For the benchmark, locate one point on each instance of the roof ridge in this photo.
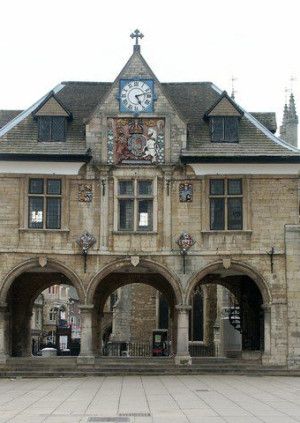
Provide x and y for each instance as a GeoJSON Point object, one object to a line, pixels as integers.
{"type": "Point", "coordinates": [86, 82]}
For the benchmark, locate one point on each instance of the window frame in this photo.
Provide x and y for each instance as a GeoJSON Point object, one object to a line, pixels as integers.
{"type": "Point", "coordinates": [224, 138]}
{"type": "Point", "coordinates": [44, 196]}
{"type": "Point", "coordinates": [51, 118]}
{"type": "Point", "coordinates": [136, 198]}
{"type": "Point", "coordinates": [225, 197]}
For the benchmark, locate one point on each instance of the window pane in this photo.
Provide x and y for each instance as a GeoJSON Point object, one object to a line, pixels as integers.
{"type": "Point", "coordinates": [54, 186]}
{"type": "Point", "coordinates": [145, 187]}
{"type": "Point", "coordinates": [234, 186]}
{"type": "Point", "coordinates": [44, 125]}
{"type": "Point", "coordinates": [231, 129]}
{"type": "Point", "coordinates": [217, 129]}
{"type": "Point", "coordinates": [58, 128]}
{"type": "Point", "coordinates": [217, 215]}
{"type": "Point", "coordinates": [53, 213]}
{"type": "Point", "coordinates": [235, 213]}
{"type": "Point", "coordinates": [217, 187]}
{"type": "Point", "coordinates": [126, 187]}
{"type": "Point", "coordinates": [36, 186]}
{"type": "Point", "coordinates": [145, 215]}
{"type": "Point", "coordinates": [35, 218]}
{"type": "Point", "coordinates": [126, 215]}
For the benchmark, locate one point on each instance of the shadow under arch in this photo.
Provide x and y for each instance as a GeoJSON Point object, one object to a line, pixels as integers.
{"type": "Point", "coordinates": [144, 265]}
{"type": "Point", "coordinates": [32, 264]}
{"type": "Point", "coordinates": [240, 267]}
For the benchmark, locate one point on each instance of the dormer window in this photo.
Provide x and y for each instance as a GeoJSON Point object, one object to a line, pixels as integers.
{"type": "Point", "coordinates": [51, 117]}
{"type": "Point", "coordinates": [51, 128]}
{"type": "Point", "coordinates": [224, 118]}
{"type": "Point", "coordinates": [224, 129]}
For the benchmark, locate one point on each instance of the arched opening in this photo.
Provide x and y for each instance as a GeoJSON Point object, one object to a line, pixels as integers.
{"type": "Point", "coordinates": [233, 315]}
{"type": "Point", "coordinates": [43, 311]}
{"type": "Point", "coordinates": [133, 313]}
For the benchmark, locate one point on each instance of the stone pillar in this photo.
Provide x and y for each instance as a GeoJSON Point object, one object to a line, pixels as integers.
{"type": "Point", "coordinates": [182, 353]}
{"type": "Point", "coordinates": [3, 340]}
{"type": "Point", "coordinates": [86, 342]}
{"type": "Point", "coordinates": [267, 333]}
{"type": "Point", "coordinates": [27, 335]}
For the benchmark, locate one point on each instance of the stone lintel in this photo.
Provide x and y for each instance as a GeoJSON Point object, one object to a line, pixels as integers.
{"type": "Point", "coordinates": [86, 307]}
{"type": "Point", "coordinates": [292, 228]}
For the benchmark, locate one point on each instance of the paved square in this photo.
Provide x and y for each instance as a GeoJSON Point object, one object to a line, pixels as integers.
{"type": "Point", "coordinates": [157, 399]}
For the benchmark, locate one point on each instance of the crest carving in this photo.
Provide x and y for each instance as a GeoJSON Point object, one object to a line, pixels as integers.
{"type": "Point", "coordinates": [135, 140]}
{"type": "Point", "coordinates": [85, 193]}
{"type": "Point", "coordinates": [135, 260]}
{"type": "Point", "coordinates": [185, 192]}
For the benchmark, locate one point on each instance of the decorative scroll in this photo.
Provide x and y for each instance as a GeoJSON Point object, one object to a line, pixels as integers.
{"type": "Point", "coordinates": [185, 192]}
{"type": "Point", "coordinates": [134, 140]}
{"type": "Point", "coordinates": [85, 193]}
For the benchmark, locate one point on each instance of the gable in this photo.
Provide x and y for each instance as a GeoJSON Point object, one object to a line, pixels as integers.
{"type": "Point", "coordinates": [52, 108]}
{"type": "Point", "coordinates": [224, 108]}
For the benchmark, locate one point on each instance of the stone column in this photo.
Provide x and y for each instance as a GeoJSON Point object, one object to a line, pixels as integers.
{"type": "Point", "coordinates": [86, 342]}
{"type": "Point", "coordinates": [182, 353]}
{"type": "Point", "coordinates": [3, 340]}
{"type": "Point", "coordinates": [267, 332]}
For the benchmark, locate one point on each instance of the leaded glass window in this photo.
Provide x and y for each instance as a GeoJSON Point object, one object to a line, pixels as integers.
{"type": "Point", "coordinates": [135, 199]}
{"type": "Point", "coordinates": [44, 203]}
{"type": "Point", "coordinates": [51, 128]}
{"type": "Point", "coordinates": [224, 129]}
{"type": "Point", "coordinates": [226, 204]}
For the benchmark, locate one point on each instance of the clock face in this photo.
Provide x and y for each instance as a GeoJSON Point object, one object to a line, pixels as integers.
{"type": "Point", "coordinates": [136, 96]}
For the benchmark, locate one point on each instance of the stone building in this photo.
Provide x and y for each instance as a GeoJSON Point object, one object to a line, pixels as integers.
{"type": "Point", "coordinates": [168, 185]}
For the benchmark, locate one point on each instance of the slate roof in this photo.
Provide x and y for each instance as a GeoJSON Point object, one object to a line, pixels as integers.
{"type": "Point", "coordinates": [192, 100]}
{"type": "Point", "coordinates": [7, 115]}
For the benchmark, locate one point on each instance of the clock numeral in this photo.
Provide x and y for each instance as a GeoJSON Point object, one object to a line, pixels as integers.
{"type": "Point", "coordinates": [148, 90]}
{"type": "Point", "coordinates": [125, 101]}
{"type": "Point", "coordinates": [136, 108]}
{"type": "Point", "coordinates": [136, 83]}
{"type": "Point", "coordinates": [123, 96]}
{"type": "Point", "coordinates": [130, 107]}
{"type": "Point", "coordinates": [147, 102]}
{"type": "Point", "coordinates": [130, 85]}
{"type": "Point", "coordinates": [149, 95]}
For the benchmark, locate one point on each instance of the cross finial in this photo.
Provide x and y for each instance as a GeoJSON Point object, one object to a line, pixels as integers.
{"type": "Point", "coordinates": [292, 80]}
{"type": "Point", "coordinates": [233, 91]}
{"type": "Point", "coordinates": [137, 34]}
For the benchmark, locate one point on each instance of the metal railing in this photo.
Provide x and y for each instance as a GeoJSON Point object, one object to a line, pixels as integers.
{"type": "Point", "coordinates": [201, 350]}
{"type": "Point", "coordinates": [131, 349]}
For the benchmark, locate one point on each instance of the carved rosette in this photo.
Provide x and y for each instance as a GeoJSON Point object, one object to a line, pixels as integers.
{"type": "Point", "coordinates": [185, 192]}
{"type": "Point", "coordinates": [185, 242]}
{"type": "Point", "coordinates": [85, 193]}
{"type": "Point", "coordinates": [85, 242]}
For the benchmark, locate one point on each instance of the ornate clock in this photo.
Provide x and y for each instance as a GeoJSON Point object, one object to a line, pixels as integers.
{"type": "Point", "coordinates": [136, 95]}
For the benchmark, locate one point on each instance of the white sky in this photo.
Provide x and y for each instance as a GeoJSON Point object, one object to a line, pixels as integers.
{"type": "Point", "coordinates": [45, 42]}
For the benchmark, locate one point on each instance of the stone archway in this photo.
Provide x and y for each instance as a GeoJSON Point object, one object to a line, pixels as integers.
{"type": "Point", "coordinates": [19, 289]}
{"type": "Point", "coordinates": [253, 305]}
{"type": "Point", "coordinates": [118, 274]}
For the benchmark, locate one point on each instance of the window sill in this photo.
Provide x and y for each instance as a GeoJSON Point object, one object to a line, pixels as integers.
{"type": "Point", "coordinates": [44, 230]}
{"type": "Point", "coordinates": [134, 233]}
{"type": "Point", "coordinates": [228, 231]}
